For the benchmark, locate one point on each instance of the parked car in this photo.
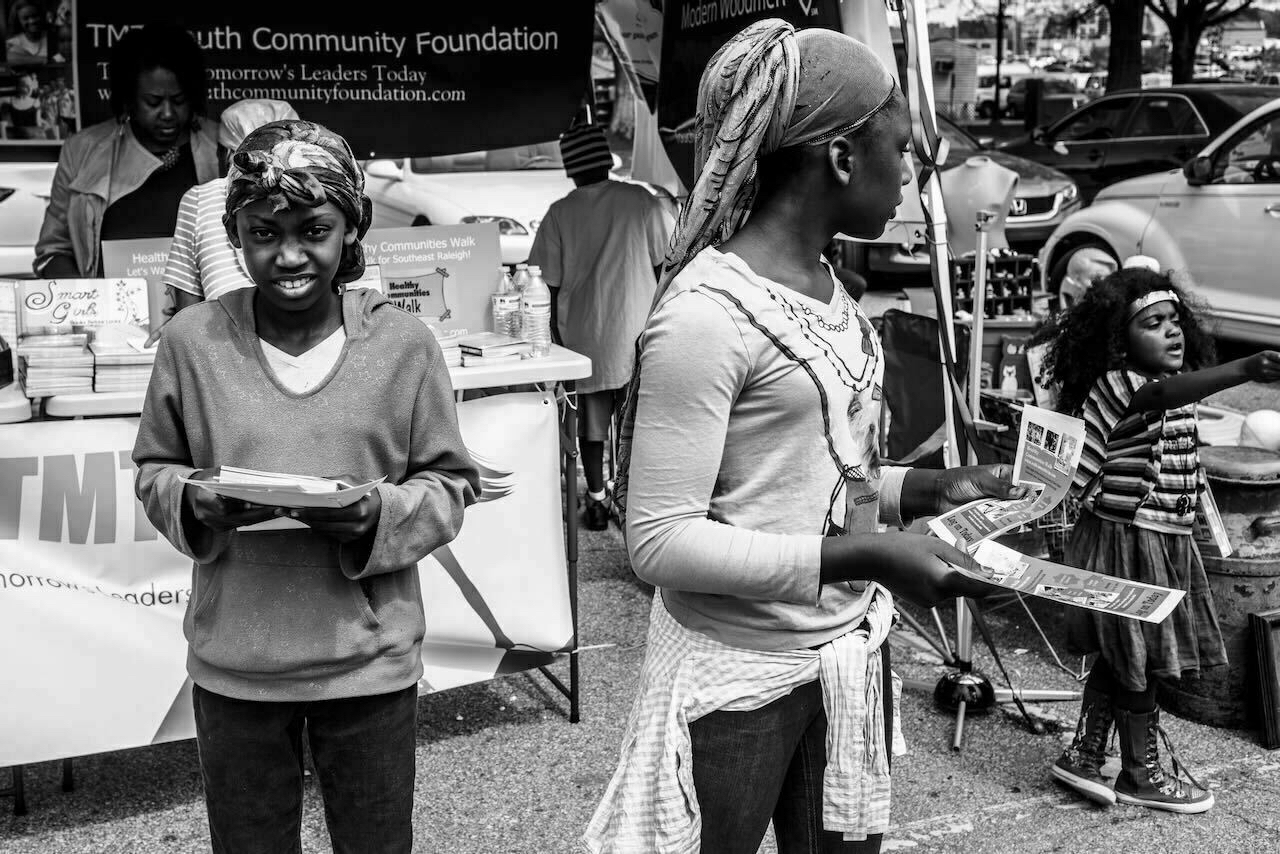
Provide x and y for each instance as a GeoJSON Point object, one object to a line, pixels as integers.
{"type": "Point", "coordinates": [1016, 105]}
{"type": "Point", "coordinates": [1138, 131]}
{"type": "Point", "coordinates": [1043, 199]}
{"type": "Point", "coordinates": [512, 187]}
{"type": "Point", "coordinates": [24, 195]}
{"type": "Point", "coordinates": [1214, 218]}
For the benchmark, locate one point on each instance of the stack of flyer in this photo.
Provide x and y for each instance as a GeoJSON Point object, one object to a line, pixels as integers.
{"type": "Point", "coordinates": [55, 363]}
{"type": "Point", "coordinates": [121, 360]}
{"type": "Point", "coordinates": [491, 348]}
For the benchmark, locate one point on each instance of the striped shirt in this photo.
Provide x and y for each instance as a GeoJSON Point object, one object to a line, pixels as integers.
{"type": "Point", "coordinates": [202, 260]}
{"type": "Point", "coordinates": [1141, 468]}
{"type": "Point", "coordinates": [650, 805]}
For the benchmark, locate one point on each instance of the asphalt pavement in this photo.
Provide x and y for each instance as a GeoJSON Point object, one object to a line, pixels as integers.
{"type": "Point", "coordinates": [501, 769]}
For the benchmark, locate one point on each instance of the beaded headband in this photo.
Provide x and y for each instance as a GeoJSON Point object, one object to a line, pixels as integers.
{"type": "Point", "coordinates": [1150, 299]}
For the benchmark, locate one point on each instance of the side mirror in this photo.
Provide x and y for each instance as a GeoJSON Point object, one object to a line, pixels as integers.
{"type": "Point", "coordinates": [986, 142]}
{"type": "Point", "coordinates": [1060, 148]}
{"type": "Point", "coordinates": [1199, 171]}
{"type": "Point", "coordinates": [386, 169]}
{"type": "Point", "coordinates": [1040, 134]}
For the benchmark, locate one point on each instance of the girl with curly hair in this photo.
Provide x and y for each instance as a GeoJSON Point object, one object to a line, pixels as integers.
{"type": "Point", "coordinates": [1132, 360]}
{"type": "Point", "coordinates": [316, 624]}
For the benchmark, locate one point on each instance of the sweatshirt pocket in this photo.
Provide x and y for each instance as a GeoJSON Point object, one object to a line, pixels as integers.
{"type": "Point", "coordinates": [291, 611]}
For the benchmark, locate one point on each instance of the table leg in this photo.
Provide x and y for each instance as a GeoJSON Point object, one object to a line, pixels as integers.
{"type": "Point", "coordinates": [569, 465]}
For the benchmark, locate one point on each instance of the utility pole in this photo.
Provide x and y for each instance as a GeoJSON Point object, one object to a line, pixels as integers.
{"type": "Point", "coordinates": [995, 112]}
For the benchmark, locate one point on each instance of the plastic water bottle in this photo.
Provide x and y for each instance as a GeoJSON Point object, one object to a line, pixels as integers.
{"type": "Point", "coordinates": [535, 314]}
{"type": "Point", "coordinates": [506, 306]}
{"type": "Point", "coordinates": [521, 278]}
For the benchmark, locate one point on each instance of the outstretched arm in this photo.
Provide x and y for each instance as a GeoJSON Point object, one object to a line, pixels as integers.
{"type": "Point", "coordinates": [1181, 389]}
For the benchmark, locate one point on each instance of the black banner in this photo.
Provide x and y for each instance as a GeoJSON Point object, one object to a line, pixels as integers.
{"type": "Point", "coordinates": [692, 31]}
{"type": "Point", "coordinates": [394, 78]}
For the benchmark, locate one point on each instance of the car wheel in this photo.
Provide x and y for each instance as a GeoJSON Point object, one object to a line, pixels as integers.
{"type": "Point", "coordinates": [420, 220]}
{"type": "Point", "coordinates": [1078, 268]}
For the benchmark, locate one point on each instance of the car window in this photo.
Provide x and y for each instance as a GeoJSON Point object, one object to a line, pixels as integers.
{"type": "Point", "coordinates": [1244, 103]}
{"type": "Point", "coordinates": [1100, 120]}
{"type": "Point", "coordinates": [1165, 115]}
{"type": "Point", "coordinates": [962, 145]}
{"type": "Point", "coordinates": [1252, 156]}
{"type": "Point", "coordinates": [542, 155]}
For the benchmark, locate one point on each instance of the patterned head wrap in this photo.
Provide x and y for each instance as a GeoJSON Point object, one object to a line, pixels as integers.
{"type": "Point", "coordinates": [293, 162]}
{"type": "Point", "coordinates": [767, 88]}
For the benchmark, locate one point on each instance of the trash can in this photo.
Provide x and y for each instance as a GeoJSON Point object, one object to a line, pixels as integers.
{"type": "Point", "coordinates": [1246, 485]}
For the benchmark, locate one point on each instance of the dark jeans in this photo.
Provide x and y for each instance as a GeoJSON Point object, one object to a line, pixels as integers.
{"type": "Point", "coordinates": [251, 760]}
{"type": "Point", "coordinates": [750, 767]}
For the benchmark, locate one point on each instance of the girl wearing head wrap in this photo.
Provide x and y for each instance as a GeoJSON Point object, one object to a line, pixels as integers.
{"type": "Point", "coordinates": [315, 625]}
{"type": "Point", "coordinates": [749, 447]}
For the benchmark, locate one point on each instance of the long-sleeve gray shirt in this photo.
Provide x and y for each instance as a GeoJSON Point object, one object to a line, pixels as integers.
{"type": "Point", "coordinates": [747, 389]}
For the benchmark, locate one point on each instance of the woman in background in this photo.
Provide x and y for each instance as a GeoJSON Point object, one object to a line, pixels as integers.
{"type": "Point", "coordinates": [123, 178]}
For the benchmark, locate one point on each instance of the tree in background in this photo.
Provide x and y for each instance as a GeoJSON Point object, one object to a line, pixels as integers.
{"type": "Point", "coordinates": [1187, 20]}
{"type": "Point", "coordinates": [1124, 56]}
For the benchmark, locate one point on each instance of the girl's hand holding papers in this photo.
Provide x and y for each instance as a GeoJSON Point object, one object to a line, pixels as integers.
{"type": "Point", "coordinates": [218, 513]}
{"type": "Point", "coordinates": [959, 486]}
{"type": "Point", "coordinates": [344, 524]}
{"type": "Point", "coordinates": [918, 567]}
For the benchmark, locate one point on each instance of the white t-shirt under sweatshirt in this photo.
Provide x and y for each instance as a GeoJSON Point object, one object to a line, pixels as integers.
{"type": "Point", "coordinates": [755, 404]}
{"type": "Point", "coordinates": [300, 374]}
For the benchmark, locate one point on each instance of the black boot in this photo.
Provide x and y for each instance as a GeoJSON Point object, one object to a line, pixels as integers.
{"type": "Point", "coordinates": [1142, 781]}
{"type": "Point", "coordinates": [1080, 765]}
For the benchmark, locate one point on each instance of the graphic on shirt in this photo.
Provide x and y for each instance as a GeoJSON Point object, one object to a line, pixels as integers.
{"type": "Point", "coordinates": [423, 296]}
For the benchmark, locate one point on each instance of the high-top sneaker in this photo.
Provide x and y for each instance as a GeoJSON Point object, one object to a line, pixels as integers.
{"type": "Point", "coordinates": [1142, 780]}
{"type": "Point", "coordinates": [1080, 765]}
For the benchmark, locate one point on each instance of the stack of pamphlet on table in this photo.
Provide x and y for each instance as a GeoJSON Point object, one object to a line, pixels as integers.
{"type": "Point", "coordinates": [56, 363]}
{"type": "Point", "coordinates": [451, 349]}
{"type": "Point", "coordinates": [492, 348]}
{"type": "Point", "coordinates": [121, 359]}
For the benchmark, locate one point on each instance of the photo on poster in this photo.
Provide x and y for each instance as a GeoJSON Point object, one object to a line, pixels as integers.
{"type": "Point", "coordinates": [38, 102]}
{"type": "Point", "coordinates": [1035, 434]}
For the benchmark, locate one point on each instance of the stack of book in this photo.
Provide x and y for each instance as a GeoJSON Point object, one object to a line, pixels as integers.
{"type": "Point", "coordinates": [492, 348]}
{"type": "Point", "coordinates": [57, 363]}
{"type": "Point", "coordinates": [448, 340]}
{"type": "Point", "coordinates": [121, 362]}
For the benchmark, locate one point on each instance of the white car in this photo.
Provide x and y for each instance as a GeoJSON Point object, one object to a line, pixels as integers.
{"type": "Point", "coordinates": [24, 195]}
{"type": "Point", "coordinates": [512, 187]}
{"type": "Point", "coordinates": [1217, 218]}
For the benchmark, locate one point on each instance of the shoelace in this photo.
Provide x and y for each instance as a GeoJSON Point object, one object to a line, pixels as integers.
{"type": "Point", "coordinates": [1159, 778]}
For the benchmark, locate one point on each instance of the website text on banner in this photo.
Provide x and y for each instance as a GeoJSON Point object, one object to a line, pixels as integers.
{"type": "Point", "coordinates": [1048, 454]}
{"type": "Point", "coordinates": [455, 76]}
{"type": "Point", "coordinates": [92, 599]}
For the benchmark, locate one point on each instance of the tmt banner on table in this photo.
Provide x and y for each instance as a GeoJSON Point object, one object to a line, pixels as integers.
{"type": "Point", "coordinates": [92, 598]}
{"type": "Point", "coordinates": [397, 79]}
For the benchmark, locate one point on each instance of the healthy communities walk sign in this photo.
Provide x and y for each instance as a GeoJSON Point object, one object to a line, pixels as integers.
{"type": "Point", "coordinates": [397, 79]}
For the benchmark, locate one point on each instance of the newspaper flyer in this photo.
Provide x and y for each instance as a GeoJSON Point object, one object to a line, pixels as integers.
{"type": "Point", "coordinates": [1049, 445]}
{"type": "Point", "coordinates": [1009, 568]}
